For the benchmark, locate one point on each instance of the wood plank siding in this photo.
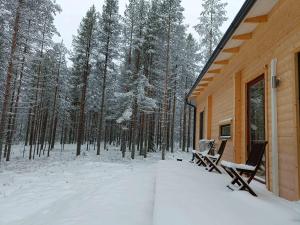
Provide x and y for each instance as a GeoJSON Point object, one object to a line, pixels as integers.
{"type": "Point", "coordinates": [225, 97]}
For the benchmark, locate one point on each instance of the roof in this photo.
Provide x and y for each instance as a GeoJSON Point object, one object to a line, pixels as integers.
{"type": "Point", "coordinates": [248, 18]}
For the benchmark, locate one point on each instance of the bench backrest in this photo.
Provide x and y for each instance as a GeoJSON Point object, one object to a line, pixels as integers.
{"type": "Point", "coordinates": [221, 150]}
{"type": "Point", "coordinates": [257, 153]}
{"type": "Point", "coordinates": [222, 147]}
{"type": "Point", "coordinates": [211, 146]}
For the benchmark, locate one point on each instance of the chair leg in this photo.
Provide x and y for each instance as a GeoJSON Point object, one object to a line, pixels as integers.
{"type": "Point", "coordinates": [236, 179]}
{"type": "Point", "coordinates": [212, 166]}
{"type": "Point", "coordinates": [229, 172]}
{"type": "Point", "coordinates": [245, 186]}
{"type": "Point", "coordinates": [201, 161]}
{"type": "Point", "coordinates": [198, 159]}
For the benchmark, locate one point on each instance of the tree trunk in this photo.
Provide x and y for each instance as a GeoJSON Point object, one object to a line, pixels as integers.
{"type": "Point", "coordinates": [54, 112]}
{"type": "Point", "coordinates": [9, 76]}
{"type": "Point", "coordinates": [166, 85]}
{"type": "Point", "coordinates": [86, 72]}
{"type": "Point", "coordinates": [173, 117]}
{"type": "Point", "coordinates": [102, 111]}
{"type": "Point", "coordinates": [82, 108]}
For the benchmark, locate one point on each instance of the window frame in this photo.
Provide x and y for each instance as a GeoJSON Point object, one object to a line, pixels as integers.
{"type": "Point", "coordinates": [221, 135]}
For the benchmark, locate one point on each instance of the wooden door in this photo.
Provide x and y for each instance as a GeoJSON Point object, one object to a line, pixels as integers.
{"type": "Point", "coordinates": [256, 117]}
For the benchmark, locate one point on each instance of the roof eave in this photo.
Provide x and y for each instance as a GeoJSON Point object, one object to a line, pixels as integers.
{"type": "Point", "coordinates": [247, 6]}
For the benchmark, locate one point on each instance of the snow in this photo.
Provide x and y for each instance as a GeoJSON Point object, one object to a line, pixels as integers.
{"type": "Point", "coordinates": [110, 190]}
{"type": "Point", "coordinates": [204, 153]}
{"type": "Point", "coordinates": [237, 166]}
{"type": "Point", "coordinates": [189, 195]}
{"type": "Point", "coordinates": [125, 116]}
{"type": "Point", "coordinates": [216, 156]}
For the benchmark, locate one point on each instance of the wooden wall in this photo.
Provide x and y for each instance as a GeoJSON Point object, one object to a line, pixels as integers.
{"type": "Point", "coordinates": [278, 38]}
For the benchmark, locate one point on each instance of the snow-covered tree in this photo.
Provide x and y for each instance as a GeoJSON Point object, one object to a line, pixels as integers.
{"type": "Point", "coordinates": [212, 17]}
{"type": "Point", "coordinates": [172, 12]}
{"type": "Point", "coordinates": [135, 75]}
{"type": "Point", "coordinates": [191, 68]}
{"type": "Point", "coordinates": [84, 46]}
{"type": "Point", "coordinates": [126, 85]}
{"type": "Point", "coordinates": [108, 39]}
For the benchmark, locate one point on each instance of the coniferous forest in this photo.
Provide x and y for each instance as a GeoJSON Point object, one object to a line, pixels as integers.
{"type": "Point", "coordinates": [103, 102]}
{"type": "Point", "coordinates": [122, 83]}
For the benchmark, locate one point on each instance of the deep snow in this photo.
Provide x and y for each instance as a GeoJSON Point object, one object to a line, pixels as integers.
{"type": "Point", "coordinates": [109, 190]}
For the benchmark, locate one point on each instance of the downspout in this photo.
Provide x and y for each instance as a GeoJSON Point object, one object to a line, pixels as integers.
{"type": "Point", "coordinates": [195, 116]}
{"type": "Point", "coordinates": [274, 84]}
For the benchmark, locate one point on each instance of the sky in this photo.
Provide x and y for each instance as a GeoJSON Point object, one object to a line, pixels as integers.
{"type": "Point", "coordinates": [69, 19]}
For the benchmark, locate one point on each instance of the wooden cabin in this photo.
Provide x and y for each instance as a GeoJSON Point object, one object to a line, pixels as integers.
{"type": "Point", "coordinates": [249, 90]}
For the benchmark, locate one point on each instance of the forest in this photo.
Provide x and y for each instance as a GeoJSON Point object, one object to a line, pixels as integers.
{"type": "Point", "coordinates": [123, 83]}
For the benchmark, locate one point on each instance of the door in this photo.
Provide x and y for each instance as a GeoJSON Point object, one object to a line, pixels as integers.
{"type": "Point", "coordinates": [201, 133]}
{"type": "Point", "coordinates": [298, 77]}
{"type": "Point", "coordinates": [256, 117]}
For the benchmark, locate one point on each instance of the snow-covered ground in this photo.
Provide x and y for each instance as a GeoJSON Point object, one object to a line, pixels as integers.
{"type": "Point", "coordinates": [109, 190]}
{"type": "Point", "coordinates": [189, 195]}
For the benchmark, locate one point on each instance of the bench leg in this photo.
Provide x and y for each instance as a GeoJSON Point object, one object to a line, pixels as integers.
{"type": "Point", "coordinates": [234, 179]}
{"type": "Point", "coordinates": [212, 166]}
{"type": "Point", "coordinates": [200, 161]}
{"type": "Point", "coordinates": [245, 186]}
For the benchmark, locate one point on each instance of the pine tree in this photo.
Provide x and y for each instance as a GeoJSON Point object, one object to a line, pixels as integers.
{"type": "Point", "coordinates": [172, 14]}
{"type": "Point", "coordinates": [10, 73]}
{"type": "Point", "coordinates": [83, 47]}
{"type": "Point", "coordinates": [3, 51]}
{"type": "Point", "coordinates": [32, 34]}
{"type": "Point", "coordinates": [135, 76]}
{"type": "Point", "coordinates": [192, 57]}
{"type": "Point", "coordinates": [122, 89]}
{"type": "Point", "coordinates": [211, 19]}
{"type": "Point", "coordinates": [56, 92]}
{"type": "Point", "coordinates": [45, 30]}
{"type": "Point", "coordinates": [108, 40]}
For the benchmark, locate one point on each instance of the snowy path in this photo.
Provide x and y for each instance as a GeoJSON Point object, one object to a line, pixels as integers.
{"type": "Point", "coordinates": [112, 191]}
{"type": "Point", "coordinates": [128, 202]}
{"type": "Point", "coordinates": [79, 192]}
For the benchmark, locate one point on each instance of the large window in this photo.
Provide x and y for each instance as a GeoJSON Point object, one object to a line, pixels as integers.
{"type": "Point", "coordinates": [256, 117]}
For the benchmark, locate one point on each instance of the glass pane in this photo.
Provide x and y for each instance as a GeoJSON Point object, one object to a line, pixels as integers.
{"type": "Point", "coordinates": [225, 131]}
{"type": "Point", "coordinates": [257, 117]}
{"type": "Point", "coordinates": [201, 136]}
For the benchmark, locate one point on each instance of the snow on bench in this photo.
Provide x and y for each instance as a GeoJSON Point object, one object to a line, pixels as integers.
{"type": "Point", "coordinates": [237, 166]}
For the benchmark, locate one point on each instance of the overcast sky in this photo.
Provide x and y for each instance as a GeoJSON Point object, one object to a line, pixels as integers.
{"type": "Point", "coordinates": [68, 21]}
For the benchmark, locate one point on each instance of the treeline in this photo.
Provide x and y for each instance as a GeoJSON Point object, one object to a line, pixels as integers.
{"type": "Point", "coordinates": [33, 76]}
{"type": "Point", "coordinates": [126, 85]}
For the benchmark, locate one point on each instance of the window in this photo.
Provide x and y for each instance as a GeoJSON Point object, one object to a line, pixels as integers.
{"type": "Point", "coordinates": [201, 133]}
{"type": "Point", "coordinates": [256, 118]}
{"type": "Point", "coordinates": [225, 131]}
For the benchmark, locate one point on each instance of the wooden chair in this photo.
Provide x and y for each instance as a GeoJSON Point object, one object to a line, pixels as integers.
{"type": "Point", "coordinates": [200, 155]}
{"type": "Point", "coordinates": [238, 171]}
{"type": "Point", "coordinates": [213, 160]}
